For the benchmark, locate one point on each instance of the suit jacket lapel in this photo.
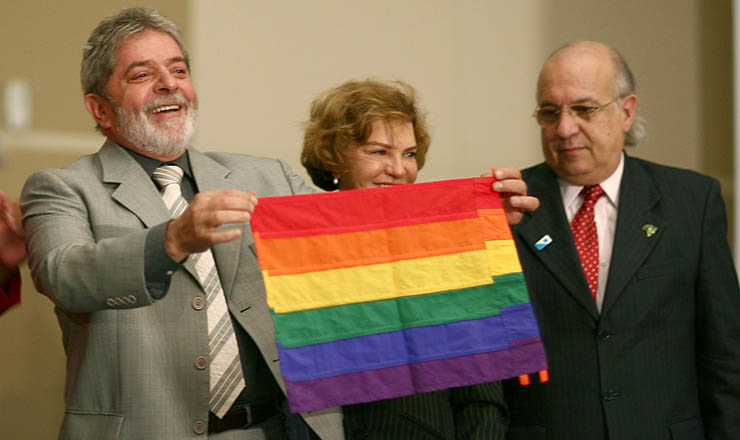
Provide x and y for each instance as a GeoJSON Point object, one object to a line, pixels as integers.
{"type": "Point", "coordinates": [560, 256]}
{"type": "Point", "coordinates": [637, 200]}
{"type": "Point", "coordinates": [136, 191]}
{"type": "Point", "coordinates": [209, 176]}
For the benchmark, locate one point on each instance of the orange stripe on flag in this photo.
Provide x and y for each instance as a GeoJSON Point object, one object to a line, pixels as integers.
{"type": "Point", "coordinates": [310, 253]}
{"type": "Point", "coordinates": [494, 225]}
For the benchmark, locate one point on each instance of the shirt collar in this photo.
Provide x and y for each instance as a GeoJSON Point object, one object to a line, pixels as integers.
{"type": "Point", "coordinates": [150, 164]}
{"type": "Point", "coordinates": [570, 192]}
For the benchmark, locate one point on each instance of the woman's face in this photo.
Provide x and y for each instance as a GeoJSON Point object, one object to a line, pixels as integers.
{"type": "Point", "coordinates": [388, 157]}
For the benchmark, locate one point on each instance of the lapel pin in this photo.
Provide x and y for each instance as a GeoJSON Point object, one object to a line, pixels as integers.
{"type": "Point", "coordinates": [543, 242]}
{"type": "Point", "coordinates": [650, 230]}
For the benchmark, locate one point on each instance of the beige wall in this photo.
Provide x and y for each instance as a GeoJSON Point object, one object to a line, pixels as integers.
{"type": "Point", "coordinates": [258, 65]}
{"type": "Point", "coordinates": [42, 40]}
{"type": "Point", "coordinates": [474, 64]}
{"type": "Point", "coordinates": [32, 375]}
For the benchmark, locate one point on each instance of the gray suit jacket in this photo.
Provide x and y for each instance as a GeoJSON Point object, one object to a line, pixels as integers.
{"type": "Point", "coordinates": [662, 359]}
{"type": "Point", "coordinates": [131, 360]}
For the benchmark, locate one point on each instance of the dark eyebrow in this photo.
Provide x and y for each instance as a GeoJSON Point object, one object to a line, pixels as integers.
{"type": "Point", "coordinates": [377, 144]}
{"type": "Point", "coordinates": [585, 101]}
{"type": "Point", "coordinates": [174, 60]}
{"type": "Point", "coordinates": [170, 61]}
{"type": "Point", "coordinates": [380, 144]}
{"type": "Point", "coordinates": [588, 100]}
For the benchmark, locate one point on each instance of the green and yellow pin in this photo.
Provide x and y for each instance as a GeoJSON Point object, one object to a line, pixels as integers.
{"type": "Point", "coordinates": [650, 230]}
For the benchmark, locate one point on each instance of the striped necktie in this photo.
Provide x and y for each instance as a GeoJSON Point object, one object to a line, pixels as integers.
{"type": "Point", "coordinates": [226, 378]}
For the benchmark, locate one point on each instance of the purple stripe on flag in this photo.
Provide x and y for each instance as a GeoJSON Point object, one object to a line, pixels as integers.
{"type": "Point", "coordinates": [524, 356]}
{"type": "Point", "coordinates": [418, 344]}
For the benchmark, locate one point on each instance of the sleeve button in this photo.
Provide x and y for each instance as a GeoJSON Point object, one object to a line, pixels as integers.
{"type": "Point", "coordinates": [201, 363]}
{"type": "Point", "coordinates": [199, 427]}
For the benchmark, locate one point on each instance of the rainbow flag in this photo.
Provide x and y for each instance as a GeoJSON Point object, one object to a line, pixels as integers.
{"type": "Point", "coordinates": [384, 292]}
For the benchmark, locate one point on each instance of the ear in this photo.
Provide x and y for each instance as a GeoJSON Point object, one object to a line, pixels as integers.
{"type": "Point", "coordinates": [100, 109]}
{"type": "Point", "coordinates": [629, 109]}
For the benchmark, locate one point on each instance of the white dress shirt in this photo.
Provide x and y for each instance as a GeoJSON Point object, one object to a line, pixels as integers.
{"type": "Point", "coordinates": [605, 214]}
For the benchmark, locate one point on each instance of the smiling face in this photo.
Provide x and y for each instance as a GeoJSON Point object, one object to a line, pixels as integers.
{"type": "Point", "coordinates": [584, 152]}
{"type": "Point", "coordinates": [388, 157]}
{"type": "Point", "coordinates": [151, 106]}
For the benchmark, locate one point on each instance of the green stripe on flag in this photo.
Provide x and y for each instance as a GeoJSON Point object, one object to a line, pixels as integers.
{"type": "Point", "coordinates": [315, 326]}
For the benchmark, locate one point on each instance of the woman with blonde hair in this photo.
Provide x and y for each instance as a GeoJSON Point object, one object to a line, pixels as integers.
{"type": "Point", "coordinates": [364, 134]}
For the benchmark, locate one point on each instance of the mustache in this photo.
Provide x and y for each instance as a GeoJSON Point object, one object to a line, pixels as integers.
{"type": "Point", "coordinates": [159, 101]}
{"type": "Point", "coordinates": [567, 144]}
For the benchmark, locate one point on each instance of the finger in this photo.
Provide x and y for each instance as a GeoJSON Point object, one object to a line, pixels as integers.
{"type": "Point", "coordinates": [241, 202]}
{"type": "Point", "coordinates": [228, 199]}
{"type": "Point", "coordinates": [225, 217]}
{"type": "Point", "coordinates": [12, 221]}
{"type": "Point", "coordinates": [513, 186]}
{"type": "Point", "coordinates": [225, 235]}
{"type": "Point", "coordinates": [525, 203]}
{"type": "Point", "coordinates": [507, 173]}
{"type": "Point", "coordinates": [15, 217]}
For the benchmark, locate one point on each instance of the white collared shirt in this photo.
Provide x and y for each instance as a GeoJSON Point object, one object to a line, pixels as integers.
{"type": "Point", "coordinates": [605, 213]}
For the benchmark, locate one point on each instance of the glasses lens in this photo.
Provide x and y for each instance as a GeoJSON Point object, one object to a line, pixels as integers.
{"type": "Point", "coordinates": [547, 115]}
{"type": "Point", "coordinates": [583, 112]}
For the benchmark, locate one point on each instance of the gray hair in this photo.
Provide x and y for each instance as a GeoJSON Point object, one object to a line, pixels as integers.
{"type": "Point", "coordinates": [98, 55]}
{"type": "Point", "coordinates": [625, 85]}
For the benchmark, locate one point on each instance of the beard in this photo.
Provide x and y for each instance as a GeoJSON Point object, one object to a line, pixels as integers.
{"type": "Point", "coordinates": [167, 138]}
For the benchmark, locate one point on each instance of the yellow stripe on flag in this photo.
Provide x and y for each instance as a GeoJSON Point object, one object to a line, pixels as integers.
{"type": "Point", "coordinates": [502, 257]}
{"type": "Point", "coordinates": [304, 291]}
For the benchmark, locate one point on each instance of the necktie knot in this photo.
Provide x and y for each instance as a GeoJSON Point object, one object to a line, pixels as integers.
{"type": "Point", "coordinates": [168, 175]}
{"type": "Point", "coordinates": [591, 193]}
{"type": "Point", "coordinates": [169, 178]}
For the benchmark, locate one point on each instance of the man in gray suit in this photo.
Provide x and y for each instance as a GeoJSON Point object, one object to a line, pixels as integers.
{"type": "Point", "coordinates": [103, 248]}
{"type": "Point", "coordinates": [123, 265]}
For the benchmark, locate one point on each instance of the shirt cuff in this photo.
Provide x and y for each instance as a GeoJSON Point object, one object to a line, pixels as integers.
{"type": "Point", "coordinates": [159, 267]}
{"type": "Point", "coordinates": [10, 292]}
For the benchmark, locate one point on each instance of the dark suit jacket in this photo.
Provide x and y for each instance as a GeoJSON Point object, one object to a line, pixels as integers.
{"type": "Point", "coordinates": [662, 361]}
{"type": "Point", "coordinates": [473, 412]}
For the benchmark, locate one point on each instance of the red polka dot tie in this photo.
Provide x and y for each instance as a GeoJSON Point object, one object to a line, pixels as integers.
{"type": "Point", "coordinates": [583, 227]}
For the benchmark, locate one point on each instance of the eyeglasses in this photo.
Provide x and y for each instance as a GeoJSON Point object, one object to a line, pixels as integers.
{"type": "Point", "coordinates": [547, 115]}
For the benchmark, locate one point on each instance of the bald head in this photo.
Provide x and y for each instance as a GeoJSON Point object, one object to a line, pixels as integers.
{"type": "Point", "coordinates": [621, 79]}
{"type": "Point", "coordinates": [584, 119]}
{"type": "Point", "coordinates": [583, 54]}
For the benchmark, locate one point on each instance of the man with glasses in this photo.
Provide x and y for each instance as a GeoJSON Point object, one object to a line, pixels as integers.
{"type": "Point", "coordinates": [629, 270]}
